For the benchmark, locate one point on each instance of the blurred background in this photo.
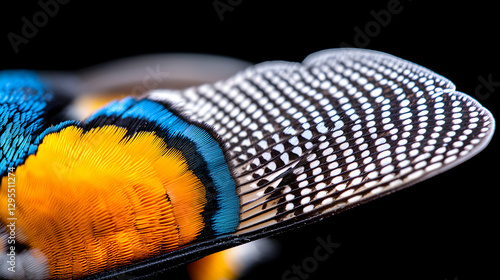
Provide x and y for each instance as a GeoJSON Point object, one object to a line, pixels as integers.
{"type": "Point", "coordinates": [443, 228]}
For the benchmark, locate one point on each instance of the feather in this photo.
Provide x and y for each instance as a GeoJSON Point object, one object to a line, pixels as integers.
{"type": "Point", "coordinates": [344, 127]}
{"type": "Point", "coordinates": [277, 146]}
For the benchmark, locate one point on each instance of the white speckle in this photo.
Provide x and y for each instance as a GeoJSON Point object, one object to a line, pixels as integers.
{"type": "Point", "coordinates": [341, 139]}
{"type": "Point", "coordinates": [354, 199]}
{"type": "Point", "coordinates": [433, 166]}
{"type": "Point", "coordinates": [385, 161]}
{"type": "Point", "coordinates": [354, 173]}
{"type": "Point", "coordinates": [308, 208]}
{"type": "Point", "coordinates": [266, 156]}
{"type": "Point", "coordinates": [331, 158]}
{"type": "Point", "coordinates": [280, 148]}
{"type": "Point", "coordinates": [303, 184]}
{"type": "Point", "coordinates": [350, 158]}
{"type": "Point", "coordinates": [380, 141]}
{"type": "Point", "coordinates": [404, 103]}
{"type": "Point", "coordinates": [376, 92]}
{"type": "Point", "coordinates": [405, 116]}
{"type": "Point", "coordinates": [302, 177]}
{"type": "Point", "coordinates": [337, 133]}
{"type": "Point", "coordinates": [305, 191]}
{"type": "Point", "coordinates": [347, 193]}
{"type": "Point", "coordinates": [335, 171]}
{"type": "Point", "coordinates": [387, 169]}
{"type": "Point", "coordinates": [414, 153]}
{"type": "Point", "coordinates": [284, 157]}
{"type": "Point", "coordinates": [372, 175]}
{"type": "Point", "coordinates": [422, 157]}
{"type": "Point", "coordinates": [352, 166]}
{"type": "Point", "coordinates": [297, 151]}
{"type": "Point", "coordinates": [370, 167]}
{"type": "Point", "coordinates": [428, 148]}
{"type": "Point", "coordinates": [415, 174]}
{"type": "Point", "coordinates": [328, 151]}
{"type": "Point", "coordinates": [320, 186]}
{"type": "Point", "coordinates": [452, 152]}
{"type": "Point", "coordinates": [450, 159]}
{"type": "Point", "coordinates": [337, 179]}
{"type": "Point", "coordinates": [262, 144]}
{"type": "Point", "coordinates": [400, 150]}
{"type": "Point", "coordinates": [344, 145]}
{"type": "Point", "coordinates": [323, 145]}
{"type": "Point", "coordinates": [383, 146]}
{"type": "Point", "coordinates": [404, 163]}
{"type": "Point", "coordinates": [307, 134]}
{"type": "Point", "coordinates": [437, 158]}
{"type": "Point", "coordinates": [321, 128]}
{"type": "Point", "coordinates": [458, 144]}
{"type": "Point", "coordinates": [321, 194]}
{"type": "Point", "coordinates": [314, 164]}
{"type": "Point", "coordinates": [294, 141]}
{"type": "Point", "coordinates": [326, 201]}
{"type": "Point", "coordinates": [384, 154]}
{"type": "Point", "coordinates": [367, 160]}
{"type": "Point", "coordinates": [289, 130]}
{"type": "Point", "coordinates": [305, 200]}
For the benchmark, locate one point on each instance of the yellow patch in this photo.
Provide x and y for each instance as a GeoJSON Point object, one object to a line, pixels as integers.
{"type": "Point", "coordinates": [91, 202]}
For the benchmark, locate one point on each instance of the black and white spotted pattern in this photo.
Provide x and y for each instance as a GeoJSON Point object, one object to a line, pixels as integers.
{"type": "Point", "coordinates": [344, 127]}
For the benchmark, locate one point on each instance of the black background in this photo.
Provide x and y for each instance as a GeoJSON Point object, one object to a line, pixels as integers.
{"type": "Point", "coordinates": [443, 228]}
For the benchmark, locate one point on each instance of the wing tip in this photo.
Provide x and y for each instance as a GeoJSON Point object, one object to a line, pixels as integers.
{"type": "Point", "coordinates": [323, 55]}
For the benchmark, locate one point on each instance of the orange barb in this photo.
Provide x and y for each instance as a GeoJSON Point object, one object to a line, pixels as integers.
{"type": "Point", "coordinates": [94, 201]}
